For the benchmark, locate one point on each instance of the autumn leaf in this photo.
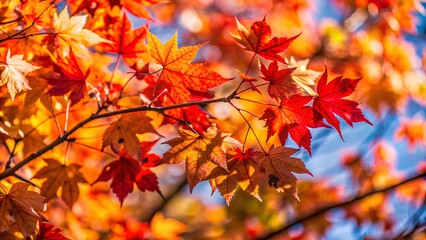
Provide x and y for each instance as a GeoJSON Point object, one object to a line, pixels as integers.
{"type": "Point", "coordinates": [20, 206]}
{"type": "Point", "coordinates": [61, 176]}
{"type": "Point", "coordinates": [166, 228]}
{"type": "Point", "coordinates": [124, 130]}
{"type": "Point", "coordinates": [48, 231]}
{"type": "Point", "coordinates": [13, 74]}
{"type": "Point", "coordinates": [71, 79]}
{"type": "Point", "coordinates": [69, 34]}
{"type": "Point", "coordinates": [303, 77]}
{"type": "Point", "coordinates": [242, 171]}
{"type": "Point", "coordinates": [259, 40]}
{"type": "Point", "coordinates": [178, 75]}
{"type": "Point", "coordinates": [123, 174]}
{"type": "Point", "coordinates": [278, 167]}
{"type": "Point", "coordinates": [280, 83]}
{"type": "Point", "coordinates": [126, 41]}
{"type": "Point", "coordinates": [137, 7]}
{"type": "Point", "coordinates": [198, 151]}
{"type": "Point", "coordinates": [293, 117]}
{"type": "Point", "coordinates": [330, 101]}
{"type": "Point", "coordinates": [414, 131]}
{"type": "Point", "coordinates": [127, 171]}
{"type": "Point", "coordinates": [249, 80]}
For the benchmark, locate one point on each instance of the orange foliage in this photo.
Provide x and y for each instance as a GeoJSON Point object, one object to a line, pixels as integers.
{"type": "Point", "coordinates": [89, 93]}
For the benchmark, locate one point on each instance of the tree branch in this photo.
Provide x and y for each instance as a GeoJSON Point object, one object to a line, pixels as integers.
{"type": "Point", "coordinates": [338, 205]}
{"type": "Point", "coordinates": [10, 171]}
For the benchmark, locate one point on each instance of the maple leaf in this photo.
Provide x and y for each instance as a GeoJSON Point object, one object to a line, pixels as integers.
{"type": "Point", "coordinates": [69, 33]}
{"type": "Point", "coordinates": [330, 101]}
{"type": "Point", "coordinates": [127, 171]}
{"type": "Point", "coordinates": [20, 206]}
{"type": "Point", "coordinates": [128, 42]}
{"type": "Point", "coordinates": [178, 75]}
{"type": "Point", "coordinates": [199, 151]}
{"type": "Point", "coordinates": [303, 77]}
{"type": "Point", "coordinates": [61, 176]}
{"type": "Point", "coordinates": [48, 231]}
{"type": "Point", "coordinates": [277, 165]}
{"type": "Point", "coordinates": [293, 117]}
{"type": "Point", "coordinates": [71, 79]}
{"type": "Point", "coordinates": [124, 130]}
{"type": "Point", "coordinates": [280, 83]}
{"type": "Point", "coordinates": [242, 171]}
{"type": "Point", "coordinates": [123, 174]}
{"type": "Point", "coordinates": [259, 40]}
{"type": "Point", "coordinates": [13, 74]}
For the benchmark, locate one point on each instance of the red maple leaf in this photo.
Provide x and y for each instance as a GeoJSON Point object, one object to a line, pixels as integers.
{"type": "Point", "coordinates": [71, 79]}
{"type": "Point", "coordinates": [330, 101]}
{"type": "Point", "coordinates": [126, 171]}
{"type": "Point", "coordinates": [280, 83]}
{"type": "Point", "coordinates": [293, 117]}
{"type": "Point", "coordinates": [123, 174]}
{"type": "Point", "coordinates": [48, 231]}
{"type": "Point", "coordinates": [260, 42]}
{"type": "Point", "coordinates": [128, 42]}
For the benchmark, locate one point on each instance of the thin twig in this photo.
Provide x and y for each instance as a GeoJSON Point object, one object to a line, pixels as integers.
{"type": "Point", "coordinates": [339, 205]}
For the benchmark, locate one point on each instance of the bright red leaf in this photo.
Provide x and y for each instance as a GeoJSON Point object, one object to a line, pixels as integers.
{"type": "Point", "coordinates": [260, 42]}
{"type": "Point", "coordinates": [280, 82]}
{"type": "Point", "coordinates": [330, 101]}
{"type": "Point", "coordinates": [293, 117]}
{"type": "Point", "coordinates": [123, 174]}
{"type": "Point", "coordinates": [71, 79]}
{"type": "Point", "coordinates": [48, 231]}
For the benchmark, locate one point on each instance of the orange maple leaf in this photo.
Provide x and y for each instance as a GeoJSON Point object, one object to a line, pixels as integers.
{"type": "Point", "coordinates": [61, 176]}
{"type": "Point", "coordinates": [242, 170]}
{"type": "Point", "coordinates": [178, 74]}
{"type": "Point", "coordinates": [20, 207]}
{"type": "Point", "coordinates": [124, 130]}
{"type": "Point", "coordinates": [199, 152]}
{"type": "Point", "coordinates": [277, 165]}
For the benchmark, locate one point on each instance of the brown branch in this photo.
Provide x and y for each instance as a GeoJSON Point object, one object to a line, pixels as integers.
{"type": "Point", "coordinates": [339, 205]}
{"type": "Point", "coordinates": [10, 171]}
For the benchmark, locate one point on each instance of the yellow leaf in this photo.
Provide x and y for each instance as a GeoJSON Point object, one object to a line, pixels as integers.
{"type": "Point", "coordinates": [303, 77]}
{"type": "Point", "coordinates": [70, 34]}
{"type": "Point", "coordinates": [169, 229]}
